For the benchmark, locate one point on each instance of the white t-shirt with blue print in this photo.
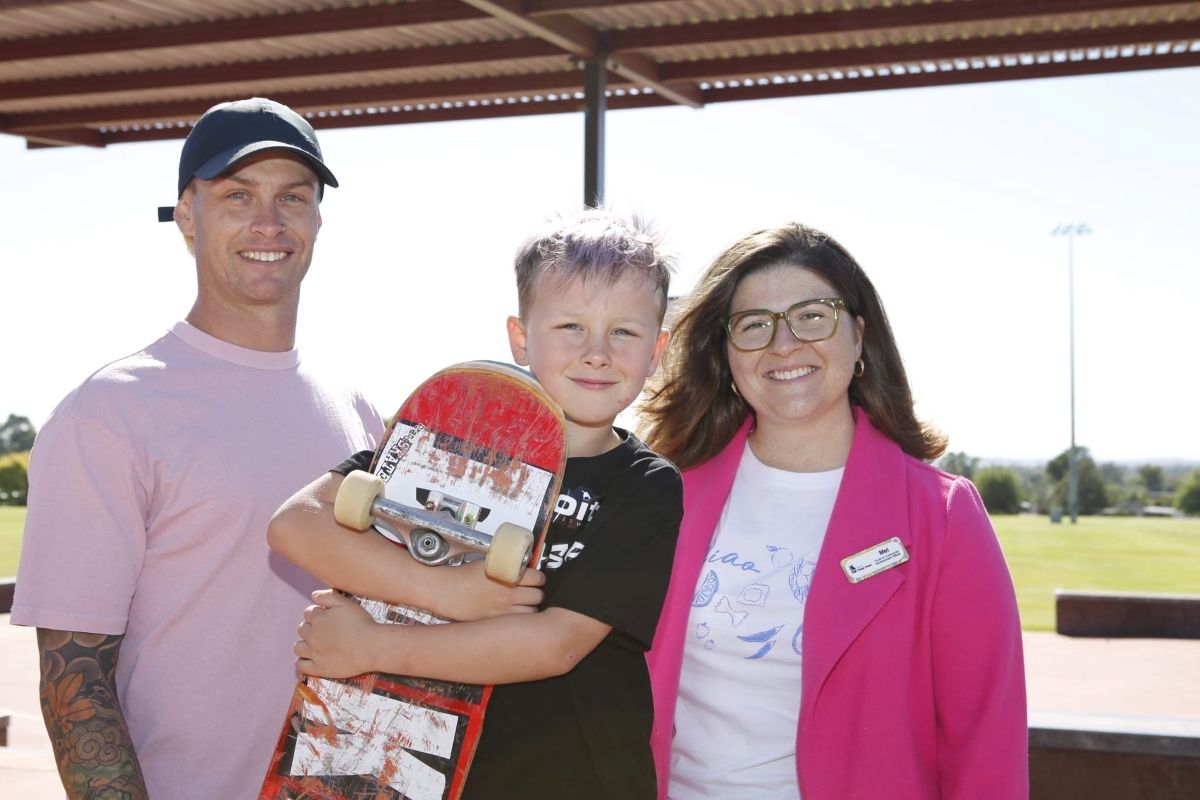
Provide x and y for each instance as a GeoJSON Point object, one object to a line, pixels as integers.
{"type": "Point", "coordinates": [739, 692]}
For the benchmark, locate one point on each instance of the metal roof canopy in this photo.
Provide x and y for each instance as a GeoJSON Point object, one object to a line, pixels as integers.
{"type": "Point", "coordinates": [97, 72]}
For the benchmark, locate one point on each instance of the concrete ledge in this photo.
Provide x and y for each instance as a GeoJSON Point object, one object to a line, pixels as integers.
{"type": "Point", "coordinates": [1113, 758]}
{"type": "Point", "coordinates": [1127, 615]}
{"type": "Point", "coordinates": [1174, 738]}
{"type": "Point", "coordinates": [7, 587]}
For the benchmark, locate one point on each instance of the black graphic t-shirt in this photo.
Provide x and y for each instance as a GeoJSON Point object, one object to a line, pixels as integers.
{"type": "Point", "coordinates": [607, 555]}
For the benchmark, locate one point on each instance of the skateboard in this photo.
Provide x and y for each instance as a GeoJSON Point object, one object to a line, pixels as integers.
{"type": "Point", "coordinates": [469, 468]}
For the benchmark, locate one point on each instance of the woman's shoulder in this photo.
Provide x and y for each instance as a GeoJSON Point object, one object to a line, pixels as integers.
{"type": "Point", "coordinates": [937, 484]}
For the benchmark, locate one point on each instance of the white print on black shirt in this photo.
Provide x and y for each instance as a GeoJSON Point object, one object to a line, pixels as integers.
{"type": "Point", "coordinates": [558, 554]}
{"type": "Point", "coordinates": [575, 508]}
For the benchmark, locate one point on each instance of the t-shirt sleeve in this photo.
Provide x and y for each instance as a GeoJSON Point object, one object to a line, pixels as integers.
{"type": "Point", "coordinates": [360, 460]}
{"type": "Point", "coordinates": [621, 578]}
{"type": "Point", "coordinates": [85, 531]}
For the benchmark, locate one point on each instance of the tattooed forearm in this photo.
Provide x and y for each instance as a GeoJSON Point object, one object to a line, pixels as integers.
{"type": "Point", "coordinates": [83, 716]}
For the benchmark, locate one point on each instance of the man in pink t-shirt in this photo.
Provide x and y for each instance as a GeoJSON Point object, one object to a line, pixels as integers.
{"type": "Point", "coordinates": [164, 623]}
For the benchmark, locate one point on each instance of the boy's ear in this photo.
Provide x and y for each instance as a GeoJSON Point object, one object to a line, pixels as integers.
{"type": "Point", "coordinates": [517, 341]}
{"type": "Point", "coordinates": [660, 348]}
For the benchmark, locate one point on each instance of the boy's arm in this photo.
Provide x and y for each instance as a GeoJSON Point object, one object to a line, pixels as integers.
{"type": "Point", "coordinates": [365, 563]}
{"type": "Point", "coordinates": [339, 639]}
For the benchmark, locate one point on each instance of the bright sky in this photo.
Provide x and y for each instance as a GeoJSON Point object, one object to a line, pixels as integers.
{"type": "Point", "coordinates": [946, 196]}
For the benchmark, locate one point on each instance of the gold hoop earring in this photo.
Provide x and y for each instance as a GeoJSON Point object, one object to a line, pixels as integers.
{"type": "Point", "coordinates": [860, 367]}
{"type": "Point", "coordinates": [733, 385]}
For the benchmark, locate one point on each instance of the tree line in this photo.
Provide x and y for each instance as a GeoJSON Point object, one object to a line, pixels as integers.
{"type": "Point", "coordinates": [16, 440]}
{"type": "Point", "coordinates": [1102, 488]}
{"type": "Point", "coordinates": [1111, 488]}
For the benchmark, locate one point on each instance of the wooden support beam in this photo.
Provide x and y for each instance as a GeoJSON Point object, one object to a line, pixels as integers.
{"type": "Point", "coordinates": [640, 69]}
{"type": "Point", "coordinates": [584, 43]}
{"type": "Point", "coordinates": [874, 57]}
{"type": "Point", "coordinates": [562, 82]}
{"type": "Point", "coordinates": [267, 26]}
{"type": "Point", "coordinates": [315, 66]}
{"type": "Point", "coordinates": [858, 21]}
{"type": "Point", "coordinates": [64, 137]}
{"type": "Point", "coordinates": [13, 5]}
{"type": "Point", "coordinates": [914, 80]}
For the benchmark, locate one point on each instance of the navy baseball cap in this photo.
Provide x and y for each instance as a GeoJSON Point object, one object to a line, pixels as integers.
{"type": "Point", "coordinates": [230, 132]}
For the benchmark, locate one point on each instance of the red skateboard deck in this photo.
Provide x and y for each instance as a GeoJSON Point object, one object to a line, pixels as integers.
{"type": "Point", "coordinates": [479, 443]}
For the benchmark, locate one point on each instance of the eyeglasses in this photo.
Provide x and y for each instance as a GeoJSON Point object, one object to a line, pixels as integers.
{"type": "Point", "coordinates": [809, 321]}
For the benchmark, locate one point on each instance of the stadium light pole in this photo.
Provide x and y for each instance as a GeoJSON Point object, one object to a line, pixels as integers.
{"type": "Point", "coordinates": [1071, 230]}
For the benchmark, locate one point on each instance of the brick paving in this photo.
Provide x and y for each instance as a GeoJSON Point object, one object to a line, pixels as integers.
{"type": "Point", "coordinates": [1138, 680]}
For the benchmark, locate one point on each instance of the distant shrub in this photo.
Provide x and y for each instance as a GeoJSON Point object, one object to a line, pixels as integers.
{"type": "Point", "coordinates": [1187, 499]}
{"type": "Point", "coordinates": [998, 488]}
{"type": "Point", "coordinates": [14, 483]}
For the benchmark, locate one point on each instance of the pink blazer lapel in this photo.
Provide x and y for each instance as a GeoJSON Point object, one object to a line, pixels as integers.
{"type": "Point", "coordinates": [871, 507]}
{"type": "Point", "coordinates": [705, 489]}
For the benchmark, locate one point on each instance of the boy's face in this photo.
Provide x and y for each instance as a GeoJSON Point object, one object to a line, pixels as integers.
{"type": "Point", "coordinates": [591, 345]}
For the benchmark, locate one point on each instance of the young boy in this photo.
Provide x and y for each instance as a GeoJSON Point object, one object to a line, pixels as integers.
{"type": "Point", "coordinates": [571, 713]}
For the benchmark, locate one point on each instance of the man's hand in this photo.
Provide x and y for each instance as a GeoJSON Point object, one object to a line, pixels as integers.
{"type": "Point", "coordinates": [336, 637]}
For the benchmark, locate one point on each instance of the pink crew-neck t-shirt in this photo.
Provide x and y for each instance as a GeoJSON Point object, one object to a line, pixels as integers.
{"type": "Point", "coordinates": [151, 486]}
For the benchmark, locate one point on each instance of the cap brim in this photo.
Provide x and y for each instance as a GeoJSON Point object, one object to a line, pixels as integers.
{"type": "Point", "coordinates": [224, 160]}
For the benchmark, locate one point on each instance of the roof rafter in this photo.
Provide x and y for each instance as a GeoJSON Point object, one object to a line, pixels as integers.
{"type": "Point", "coordinates": [7, 5]}
{"type": "Point", "coordinates": [928, 78]}
{"type": "Point", "coordinates": [274, 26]}
{"type": "Point", "coordinates": [308, 101]}
{"type": "Point", "coordinates": [1009, 46]}
{"type": "Point", "coordinates": [240, 72]}
{"type": "Point", "coordinates": [583, 42]}
{"type": "Point", "coordinates": [860, 21]}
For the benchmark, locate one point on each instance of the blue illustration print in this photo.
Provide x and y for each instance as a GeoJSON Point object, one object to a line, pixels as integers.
{"type": "Point", "coordinates": [747, 615]}
{"type": "Point", "coordinates": [767, 636]}
{"type": "Point", "coordinates": [800, 578]}
{"type": "Point", "coordinates": [708, 588]}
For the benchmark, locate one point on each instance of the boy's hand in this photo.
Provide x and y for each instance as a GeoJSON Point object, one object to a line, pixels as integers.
{"type": "Point", "coordinates": [335, 637]}
{"type": "Point", "coordinates": [468, 594]}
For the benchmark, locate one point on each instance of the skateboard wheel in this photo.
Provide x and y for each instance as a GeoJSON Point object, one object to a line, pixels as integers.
{"type": "Point", "coordinates": [427, 546]}
{"type": "Point", "coordinates": [509, 553]}
{"type": "Point", "coordinates": [355, 498]}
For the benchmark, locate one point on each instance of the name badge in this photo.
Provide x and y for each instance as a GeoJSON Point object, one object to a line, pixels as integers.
{"type": "Point", "coordinates": [874, 560]}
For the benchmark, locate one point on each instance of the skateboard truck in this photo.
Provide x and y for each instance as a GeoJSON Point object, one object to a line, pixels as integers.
{"type": "Point", "coordinates": [360, 502]}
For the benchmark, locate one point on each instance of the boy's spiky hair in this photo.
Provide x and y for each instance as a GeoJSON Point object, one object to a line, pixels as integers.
{"type": "Point", "coordinates": [595, 245]}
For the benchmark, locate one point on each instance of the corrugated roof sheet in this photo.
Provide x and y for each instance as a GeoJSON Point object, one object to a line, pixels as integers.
{"type": "Point", "coordinates": [121, 70]}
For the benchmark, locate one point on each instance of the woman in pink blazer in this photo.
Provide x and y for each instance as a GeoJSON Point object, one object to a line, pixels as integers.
{"type": "Point", "coordinates": [840, 621]}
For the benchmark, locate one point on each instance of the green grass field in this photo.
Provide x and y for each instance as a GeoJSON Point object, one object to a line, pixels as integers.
{"type": "Point", "coordinates": [1111, 553]}
{"type": "Point", "coordinates": [1134, 554]}
{"type": "Point", "coordinates": [12, 520]}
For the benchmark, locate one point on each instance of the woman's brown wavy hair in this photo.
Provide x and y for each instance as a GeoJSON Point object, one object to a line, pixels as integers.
{"type": "Point", "coordinates": [692, 412]}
